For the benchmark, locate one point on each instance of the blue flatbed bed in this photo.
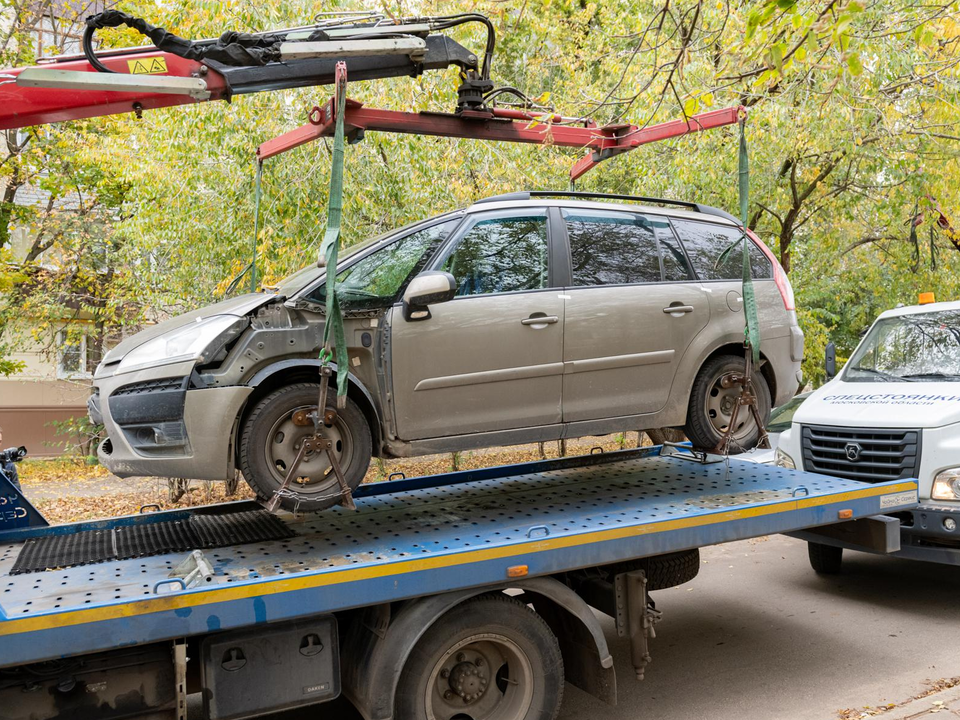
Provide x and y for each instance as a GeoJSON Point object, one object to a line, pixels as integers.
{"type": "Point", "coordinates": [413, 538]}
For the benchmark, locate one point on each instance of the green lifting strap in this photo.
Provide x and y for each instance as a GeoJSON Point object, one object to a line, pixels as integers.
{"type": "Point", "coordinates": [256, 228]}
{"type": "Point", "coordinates": [752, 329]}
{"type": "Point", "coordinates": [334, 340]}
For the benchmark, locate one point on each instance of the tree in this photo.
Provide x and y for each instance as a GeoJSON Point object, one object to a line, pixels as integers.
{"type": "Point", "coordinates": [852, 116]}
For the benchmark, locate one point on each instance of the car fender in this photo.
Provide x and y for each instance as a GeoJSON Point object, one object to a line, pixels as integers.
{"type": "Point", "coordinates": [382, 638]}
{"type": "Point", "coordinates": [281, 366]}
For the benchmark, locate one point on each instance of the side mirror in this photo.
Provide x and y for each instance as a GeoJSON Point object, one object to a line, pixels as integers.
{"type": "Point", "coordinates": [427, 288]}
{"type": "Point", "coordinates": [830, 360]}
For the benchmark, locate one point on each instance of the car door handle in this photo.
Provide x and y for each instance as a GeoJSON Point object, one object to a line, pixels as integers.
{"type": "Point", "coordinates": [678, 309]}
{"type": "Point", "coordinates": [540, 320]}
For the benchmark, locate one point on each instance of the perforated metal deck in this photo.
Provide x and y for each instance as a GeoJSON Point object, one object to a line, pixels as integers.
{"type": "Point", "coordinates": [417, 537]}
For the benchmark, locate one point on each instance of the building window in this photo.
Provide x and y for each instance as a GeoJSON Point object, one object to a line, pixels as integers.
{"type": "Point", "coordinates": [71, 356]}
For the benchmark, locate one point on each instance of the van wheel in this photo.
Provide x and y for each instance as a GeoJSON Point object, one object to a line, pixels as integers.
{"type": "Point", "coordinates": [271, 439]}
{"type": "Point", "coordinates": [490, 658]}
{"type": "Point", "coordinates": [825, 559]}
{"type": "Point", "coordinates": [711, 406]}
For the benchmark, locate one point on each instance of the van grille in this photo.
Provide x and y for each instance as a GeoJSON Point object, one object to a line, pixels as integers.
{"type": "Point", "coordinates": [868, 454]}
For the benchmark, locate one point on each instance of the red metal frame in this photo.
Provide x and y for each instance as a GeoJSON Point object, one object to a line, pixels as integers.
{"type": "Point", "coordinates": [499, 124]}
{"type": "Point", "coordinates": [22, 107]}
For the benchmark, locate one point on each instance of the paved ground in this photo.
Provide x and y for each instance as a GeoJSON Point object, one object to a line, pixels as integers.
{"type": "Point", "coordinates": [759, 636]}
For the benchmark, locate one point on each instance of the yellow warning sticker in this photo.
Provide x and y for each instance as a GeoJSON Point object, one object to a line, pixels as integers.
{"type": "Point", "coordinates": [147, 66]}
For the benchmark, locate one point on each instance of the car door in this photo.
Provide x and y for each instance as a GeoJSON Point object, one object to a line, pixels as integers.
{"type": "Point", "coordinates": [629, 314]}
{"type": "Point", "coordinates": [490, 359]}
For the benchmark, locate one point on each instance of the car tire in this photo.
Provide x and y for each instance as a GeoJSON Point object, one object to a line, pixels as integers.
{"type": "Point", "coordinates": [270, 439]}
{"type": "Point", "coordinates": [710, 404]}
{"type": "Point", "coordinates": [659, 436]}
{"type": "Point", "coordinates": [825, 559]}
{"type": "Point", "coordinates": [520, 676]}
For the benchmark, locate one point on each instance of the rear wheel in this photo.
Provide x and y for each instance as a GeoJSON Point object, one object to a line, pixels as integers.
{"type": "Point", "coordinates": [491, 658]}
{"type": "Point", "coordinates": [825, 559]}
{"type": "Point", "coordinates": [271, 439]}
{"type": "Point", "coordinates": [711, 406]}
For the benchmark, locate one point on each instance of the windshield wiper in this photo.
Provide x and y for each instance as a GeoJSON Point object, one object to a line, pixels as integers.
{"type": "Point", "coordinates": [879, 373]}
{"type": "Point", "coordinates": [934, 375]}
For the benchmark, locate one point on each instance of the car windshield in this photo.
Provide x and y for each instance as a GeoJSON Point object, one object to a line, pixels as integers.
{"type": "Point", "coordinates": [295, 282]}
{"type": "Point", "coordinates": [375, 281]}
{"type": "Point", "coordinates": [782, 417]}
{"type": "Point", "coordinates": [922, 347]}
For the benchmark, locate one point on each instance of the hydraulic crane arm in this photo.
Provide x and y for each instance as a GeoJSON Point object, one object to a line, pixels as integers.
{"type": "Point", "coordinates": [177, 71]}
{"type": "Point", "coordinates": [137, 79]}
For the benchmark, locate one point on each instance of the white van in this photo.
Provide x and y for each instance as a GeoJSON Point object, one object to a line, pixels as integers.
{"type": "Point", "coordinates": [892, 413]}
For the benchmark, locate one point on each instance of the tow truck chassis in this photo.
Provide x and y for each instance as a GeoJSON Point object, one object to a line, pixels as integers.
{"type": "Point", "coordinates": [567, 535]}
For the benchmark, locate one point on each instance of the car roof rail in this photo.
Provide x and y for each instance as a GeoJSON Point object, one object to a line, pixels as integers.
{"type": "Point", "coordinates": [528, 194]}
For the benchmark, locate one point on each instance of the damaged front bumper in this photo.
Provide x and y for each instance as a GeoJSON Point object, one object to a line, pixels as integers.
{"type": "Point", "coordinates": [158, 424]}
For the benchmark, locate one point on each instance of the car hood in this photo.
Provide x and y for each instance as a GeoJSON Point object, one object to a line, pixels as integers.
{"type": "Point", "coordinates": [882, 404]}
{"type": "Point", "coordinates": [238, 306]}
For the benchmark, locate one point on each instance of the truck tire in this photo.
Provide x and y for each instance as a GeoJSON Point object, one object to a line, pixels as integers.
{"type": "Point", "coordinates": [710, 407]}
{"type": "Point", "coordinates": [489, 658]}
{"type": "Point", "coordinates": [270, 439]}
{"type": "Point", "coordinates": [825, 559]}
{"type": "Point", "coordinates": [663, 571]}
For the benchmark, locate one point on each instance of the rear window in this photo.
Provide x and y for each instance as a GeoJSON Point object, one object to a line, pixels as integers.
{"type": "Point", "coordinates": [706, 242]}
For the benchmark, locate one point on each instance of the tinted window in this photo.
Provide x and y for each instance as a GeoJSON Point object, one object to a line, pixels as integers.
{"type": "Point", "coordinates": [675, 267]}
{"type": "Point", "coordinates": [705, 243]}
{"type": "Point", "coordinates": [611, 248]}
{"type": "Point", "coordinates": [501, 254]}
{"type": "Point", "coordinates": [375, 280]}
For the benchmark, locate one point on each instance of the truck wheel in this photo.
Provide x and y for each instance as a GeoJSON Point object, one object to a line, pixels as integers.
{"type": "Point", "coordinates": [663, 571]}
{"type": "Point", "coordinates": [271, 438]}
{"type": "Point", "coordinates": [490, 658]}
{"type": "Point", "coordinates": [825, 559]}
{"type": "Point", "coordinates": [711, 406]}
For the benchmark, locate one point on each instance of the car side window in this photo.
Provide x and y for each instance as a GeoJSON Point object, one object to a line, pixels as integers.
{"type": "Point", "coordinates": [376, 280]}
{"type": "Point", "coordinates": [706, 242]}
{"type": "Point", "coordinates": [675, 266]}
{"type": "Point", "coordinates": [611, 248]}
{"type": "Point", "coordinates": [508, 253]}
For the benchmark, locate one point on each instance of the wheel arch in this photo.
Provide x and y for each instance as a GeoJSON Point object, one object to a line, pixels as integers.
{"type": "Point", "coordinates": [736, 348]}
{"type": "Point", "coordinates": [298, 370]}
{"type": "Point", "coordinates": [382, 638]}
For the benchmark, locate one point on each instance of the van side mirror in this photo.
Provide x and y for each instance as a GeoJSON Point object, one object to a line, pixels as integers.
{"type": "Point", "coordinates": [427, 288]}
{"type": "Point", "coordinates": [830, 360]}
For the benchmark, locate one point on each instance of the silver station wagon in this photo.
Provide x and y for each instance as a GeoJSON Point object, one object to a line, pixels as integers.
{"type": "Point", "coordinates": [526, 317]}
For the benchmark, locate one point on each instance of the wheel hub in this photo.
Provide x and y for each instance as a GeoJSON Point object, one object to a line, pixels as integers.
{"type": "Point", "coordinates": [468, 681]}
{"type": "Point", "coordinates": [287, 436]}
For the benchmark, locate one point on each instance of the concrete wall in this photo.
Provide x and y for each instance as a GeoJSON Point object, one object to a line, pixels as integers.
{"type": "Point", "coordinates": [34, 398]}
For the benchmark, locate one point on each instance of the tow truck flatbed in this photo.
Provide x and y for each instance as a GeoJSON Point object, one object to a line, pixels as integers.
{"type": "Point", "coordinates": [419, 537]}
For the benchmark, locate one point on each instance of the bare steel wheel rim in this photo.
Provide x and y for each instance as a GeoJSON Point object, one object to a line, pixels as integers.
{"type": "Point", "coordinates": [719, 409]}
{"type": "Point", "coordinates": [315, 474]}
{"type": "Point", "coordinates": [483, 677]}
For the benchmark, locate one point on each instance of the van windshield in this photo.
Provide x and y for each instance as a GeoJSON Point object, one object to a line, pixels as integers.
{"type": "Point", "coordinates": [914, 348]}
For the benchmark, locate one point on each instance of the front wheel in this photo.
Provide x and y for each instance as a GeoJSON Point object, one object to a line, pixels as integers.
{"type": "Point", "coordinates": [271, 439]}
{"type": "Point", "coordinates": [711, 406]}
{"type": "Point", "coordinates": [825, 559]}
{"type": "Point", "coordinates": [491, 658]}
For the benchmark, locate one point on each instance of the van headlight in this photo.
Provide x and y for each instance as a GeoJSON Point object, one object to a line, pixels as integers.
{"type": "Point", "coordinates": [781, 459]}
{"type": "Point", "coordinates": [946, 485]}
{"type": "Point", "coordinates": [185, 343]}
